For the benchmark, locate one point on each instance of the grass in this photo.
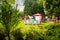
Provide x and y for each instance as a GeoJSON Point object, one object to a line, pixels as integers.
{"type": "Point", "coordinates": [31, 28]}
{"type": "Point", "coordinates": [27, 27]}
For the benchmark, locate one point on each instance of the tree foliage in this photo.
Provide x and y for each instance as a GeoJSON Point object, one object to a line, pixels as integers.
{"type": "Point", "coordinates": [42, 6]}
{"type": "Point", "coordinates": [53, 7]}
{"type": "Point", "coordinates": [32, 7]}
{"type": "Point", "coordinates": [9, 16]}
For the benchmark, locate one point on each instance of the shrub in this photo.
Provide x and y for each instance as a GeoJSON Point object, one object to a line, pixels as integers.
{"type": "Point", "coordinates": [17, 35]}
{"type": "Point", "coordinates": [34, 35]}
{"type": "Point", "coordinates": [2, 34]}
{"type": "Point", "coordinates": [53, 32]}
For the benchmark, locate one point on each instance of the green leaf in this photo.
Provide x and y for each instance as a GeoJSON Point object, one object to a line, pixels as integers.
{"type": "Point", "coordinates": [11, 1]}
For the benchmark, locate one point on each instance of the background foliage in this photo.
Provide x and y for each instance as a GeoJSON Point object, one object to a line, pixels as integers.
{"type": "Point", "coordinates": [12, 26]}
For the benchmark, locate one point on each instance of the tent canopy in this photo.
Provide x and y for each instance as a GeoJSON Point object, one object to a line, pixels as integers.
{"type": "Point", "coordinates": [37, 14]}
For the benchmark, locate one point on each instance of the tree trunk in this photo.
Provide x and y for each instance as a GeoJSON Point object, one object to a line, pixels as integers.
{"type": "Point", "coordinates": [8, 35]}
{"type": "Point", "coordinates": [44, 6]}
{"type": "Point", "coordinates": [8, 32]}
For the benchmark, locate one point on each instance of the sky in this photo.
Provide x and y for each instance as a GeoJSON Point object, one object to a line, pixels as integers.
{"type": "Point", "coordinates": [20, 4]}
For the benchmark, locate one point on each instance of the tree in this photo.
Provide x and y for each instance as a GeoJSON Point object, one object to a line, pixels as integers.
{"type": "Point", "coordinates": [9, 16]}
{"type": "Point", "coordinates": [54, 7]}
{"type": "Point", "coordinates": [33, 6]}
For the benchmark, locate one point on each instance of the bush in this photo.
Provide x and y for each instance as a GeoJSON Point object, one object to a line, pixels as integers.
{"type": "Point", "coordinates": [32, 33]}
{"type": "Point", "coordinates": [53, 32]}
{"type": "Point", "coordinates": [17, 35]}
{"type": "Point", "coordinates": [2, 34]}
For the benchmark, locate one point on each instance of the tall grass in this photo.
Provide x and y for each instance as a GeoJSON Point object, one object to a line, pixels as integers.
{"type": "Point", "coordinates": [45, 31]}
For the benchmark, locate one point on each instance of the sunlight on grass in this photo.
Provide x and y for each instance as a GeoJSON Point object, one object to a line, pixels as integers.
{"type": "Point", "coordinates": [29, 27]}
